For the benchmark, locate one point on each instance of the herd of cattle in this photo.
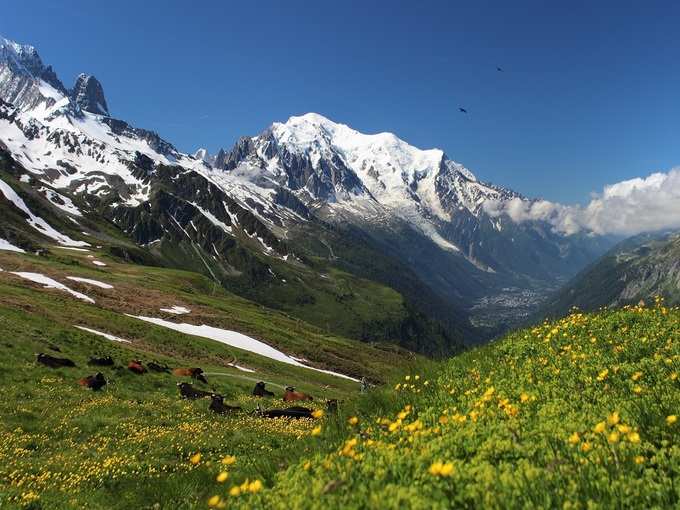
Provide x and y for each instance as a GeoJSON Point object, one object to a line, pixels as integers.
{"type": "Point", "coordinates": [97, 381]}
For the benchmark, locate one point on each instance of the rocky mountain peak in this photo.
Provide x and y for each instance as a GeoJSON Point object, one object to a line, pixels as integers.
{"type": "Point", "coordinates": [24, 80]}
{"type": "Point", "coordinates": [88, 94]}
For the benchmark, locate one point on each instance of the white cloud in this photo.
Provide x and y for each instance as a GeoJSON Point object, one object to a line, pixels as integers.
{"type": "Point", "coordinates": [625, 208]}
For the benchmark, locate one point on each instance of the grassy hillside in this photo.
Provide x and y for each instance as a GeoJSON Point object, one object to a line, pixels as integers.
{"type": "Point", "coordinates": [579, 413]}
{"type": "Point", "coordinates": [64, 446]}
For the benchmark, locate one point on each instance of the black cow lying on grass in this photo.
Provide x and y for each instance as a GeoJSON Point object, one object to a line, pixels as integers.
{"type": "Point", "coordinates": [106, 361]}
{"type": "Point", "coordinates": [187, 391]}
{"type": "Point", "coordinates": [295, 412]}
{"type": "Point", "coordinates": [52, 362]}
{"type": "Point", "coordinates": [155, 367]}
{"type": "Point", "coordinates": [218, 406]}
{"type": "Point", "coordinates": [94, 382]}
{"type": "Point", "coordinates": [260, 391]}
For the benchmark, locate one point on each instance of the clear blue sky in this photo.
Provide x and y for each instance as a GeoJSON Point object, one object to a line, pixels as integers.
{"type": "Point", "coordinates": [590, 93]}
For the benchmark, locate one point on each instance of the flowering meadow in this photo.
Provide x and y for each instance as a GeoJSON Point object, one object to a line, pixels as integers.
{"type": "Point", "coordinates": [577, 413]}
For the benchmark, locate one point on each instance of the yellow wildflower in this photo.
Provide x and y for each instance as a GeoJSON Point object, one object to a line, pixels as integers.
{"type": "Point", "coordinates": [441, 469]}
{"type": "Point", "coordinates": [229, 460]}
{"type": "Point", "coordinates": [214, 501]}
{"type": "Point", "coordinates": [613, 437]}
{"type": "Point", "coordinates": [671, 419]}
{"type": "Point", "coordinates": [353, 420]}
{"type": "Point", "coordinates": [195, 459]}
{"type": "Point", "coordinates": [235, 491]}
{"type": "Point", "coordinates": [255, 486]}
{"type": "Point", "coordinates": [317, 414]}
{"type": "Point", "coordinates": [574, 438]}
{"type": "Point", "coordinates": [316, 431]}
{"type": "Point", "coordinates": [222, 477]}
{"type": "Point", "coordinates": [634, 437]}
{"type": "Point", "coordinates": [600, 427]}
{"type": "Point", "coordinates": [613, 418]}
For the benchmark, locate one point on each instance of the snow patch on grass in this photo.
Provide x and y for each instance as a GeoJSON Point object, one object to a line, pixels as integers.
{"type": "Point", "coordinates": [235, 339]}
{"type": "Point", "coordinates": [177, 310]}
{"type": "Point", "coordinates": [105, 335]}
{"type": "Point", "coordinates": [96, 283]}
{"type": "Point", "coordinates": [49, 283]}
{"type": "Point", "coordinates": [7, 246]}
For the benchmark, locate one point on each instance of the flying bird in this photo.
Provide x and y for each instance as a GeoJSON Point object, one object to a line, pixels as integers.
{"type": "Point", "coordinates": [462, 110]}
{"type": "Point", "coordinates": [499, 69]}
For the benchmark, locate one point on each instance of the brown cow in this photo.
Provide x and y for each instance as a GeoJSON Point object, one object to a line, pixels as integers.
{"type": "Point", "coordinates": [94, 382]}
{"type": "Point", "coordinates": [293, 396]}
{"type": "Point", "coordinates": [136, 367]}
{"type": "Point", "coordinates": [194, 373]}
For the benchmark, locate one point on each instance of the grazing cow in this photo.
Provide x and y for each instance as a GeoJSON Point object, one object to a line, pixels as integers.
{"type": "Point", "coordinates": [260, 391]}
{"type": "Point", "coordinates": [295, 412]}
{"type": "Point", "coordinates": [94, 382]}
{"type": "Point", "coordinates": [293, 396]}
{"type": "Point", "coordinates": [194, 373]}
{"type": "Point", "coordinates": [155, 367]}
{"type": "Point", "coordinates": [218, 406]}
{"type": "Point", "coordinates": [106, 361]}
{"type": "Point", "coordinates": [53, 362]}
{"type": "Point", "coordinates": [187, 391]}
{"type": "Point", "coordinates": [136, 367]}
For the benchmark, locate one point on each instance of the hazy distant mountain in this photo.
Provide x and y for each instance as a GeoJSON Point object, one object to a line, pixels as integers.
{"type": "Point", "coordinates": [639, 268]}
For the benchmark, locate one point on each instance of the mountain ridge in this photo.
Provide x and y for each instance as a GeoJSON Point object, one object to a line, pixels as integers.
{"type": "Point", "coordinates": [258, 201]}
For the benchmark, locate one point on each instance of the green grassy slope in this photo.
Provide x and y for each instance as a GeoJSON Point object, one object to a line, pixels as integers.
{"type": "Point", "coordinates": [63, 446]}
{"type": "Point", "coordinates": [579, 413]}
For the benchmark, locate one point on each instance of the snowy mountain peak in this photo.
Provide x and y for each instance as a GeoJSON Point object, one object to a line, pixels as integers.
{"type": "Point", "coordinates": [24, 80]}
{"type": "Point", "coordinates": [88, 95]}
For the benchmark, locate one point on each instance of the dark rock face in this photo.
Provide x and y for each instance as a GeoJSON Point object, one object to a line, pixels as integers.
{"type": "Point", "coordinates": [88, 94]}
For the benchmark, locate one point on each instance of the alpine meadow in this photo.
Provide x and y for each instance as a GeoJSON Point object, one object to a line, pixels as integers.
{"type": "Point", "coordinates": [323, 314]}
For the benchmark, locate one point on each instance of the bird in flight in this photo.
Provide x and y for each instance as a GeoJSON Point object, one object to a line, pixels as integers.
{"type": "Point", "coordinates": [499, 69]}
{"type": "Point", "coordinates": [462, 110]}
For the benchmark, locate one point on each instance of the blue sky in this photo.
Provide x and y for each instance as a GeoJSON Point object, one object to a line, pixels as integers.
{"type": "Point", "coordinates": [589, 95]}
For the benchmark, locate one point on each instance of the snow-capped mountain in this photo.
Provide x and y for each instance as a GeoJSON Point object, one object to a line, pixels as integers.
{"type": "Point", "coordinates": [377, 179]}
{"type": "Point", "coordinates": [266, 196]}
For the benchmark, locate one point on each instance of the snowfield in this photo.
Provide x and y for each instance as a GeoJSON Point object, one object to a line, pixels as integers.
{"type": "Point", "coordinates": [7, 246]}
{"type": "Point", "coordinates": [105, 335]}
{"type": "Point", "coordinates": [234, 339]}
{"type": "Point", "coordinates": [49, 283]}
{"type": "Point", "coordinates": [96, 283]}
{"type": "Point", "coordinates": [35, 221]}
{"type": "Point", "coordinates": [177, 310]}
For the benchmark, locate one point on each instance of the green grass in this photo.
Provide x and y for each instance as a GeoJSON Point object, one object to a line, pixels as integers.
{"type": "Point", "coordinates": [62, 446]}
{"type": "Point", "coordinates": [570, 414]}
